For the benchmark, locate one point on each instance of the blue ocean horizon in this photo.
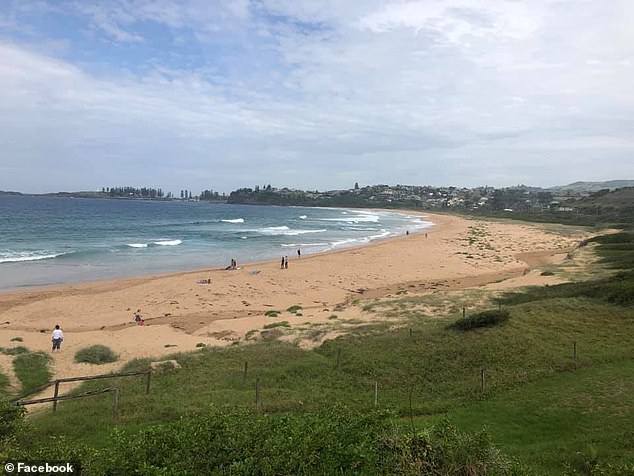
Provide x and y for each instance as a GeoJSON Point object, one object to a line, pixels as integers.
{"type": "Point", "coordinates": [58, 240]}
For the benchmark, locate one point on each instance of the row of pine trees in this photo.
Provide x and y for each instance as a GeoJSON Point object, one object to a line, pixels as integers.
{"type": "Point", "coordinates": [157, 193]}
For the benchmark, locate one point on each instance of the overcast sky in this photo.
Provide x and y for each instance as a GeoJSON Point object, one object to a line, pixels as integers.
{"type": "Point", "coordinates": [314, 94]}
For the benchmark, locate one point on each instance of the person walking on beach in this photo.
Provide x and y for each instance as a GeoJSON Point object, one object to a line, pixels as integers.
{"type": "Point", "coordinates": [57, 338]}
{"type": "Point", "coordinates": [286, 262]}
{"type": "Point", "coordinates": [282, 265]}
{"type": "Point", "coordinates": [299, 253]}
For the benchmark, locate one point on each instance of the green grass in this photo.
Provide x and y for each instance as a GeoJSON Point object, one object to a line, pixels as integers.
{"type": "Point", "coordinates": [442, 366]}
{"type": "Point", "coordinates": [96, 354]}
{"type": "Point", "coordinates": [32, 370]}
{"type": "Point", "coordinates": [17, 339]}
{"type": "Point", "coordinates": [4, 383]}
{"type": "Point", "coordinates": [547, 421]}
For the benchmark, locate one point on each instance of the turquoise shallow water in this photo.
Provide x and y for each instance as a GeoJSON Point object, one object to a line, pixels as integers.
{"type": "Point", "coordinates": [52, 240]}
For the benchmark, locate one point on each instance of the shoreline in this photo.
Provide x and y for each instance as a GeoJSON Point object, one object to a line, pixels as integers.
{"type": "Point", "coordinates": [180, 312]}
{"type": "Point", "coordinates": [26, 288]}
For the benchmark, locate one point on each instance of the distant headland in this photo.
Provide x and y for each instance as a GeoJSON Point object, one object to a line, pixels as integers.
{"type": "Point", "coordinates": [579, 202]}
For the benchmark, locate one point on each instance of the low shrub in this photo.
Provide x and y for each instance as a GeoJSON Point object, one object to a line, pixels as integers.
{"type": "Point", "coordinates": [481, 319]}
{"type": "Point", "coordinates": [14, 350]}
{"type": "Point", "coordinates": [17, 339]}
{"type": "Point", "coordinates": [295, 308]}
{"type": "Point", "coordinates": [277, 324]}
{"type": "Point", "coordinates": [241, 442]}
{"type": "Point", "coordinates": [96, 354]}
{"type": "Point", "coordinates": [272, 313]}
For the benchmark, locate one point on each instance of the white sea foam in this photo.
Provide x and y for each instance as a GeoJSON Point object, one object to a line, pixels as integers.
{"type": "Point", "coordinates": [233, 220]}
{"type": "Point", "coordinates": [168, 242]}
{"type": "Point", "coordinates": [26, 256]}
{"type": "Point", "coordinates": [286, 231]}
{"type": "Point", "coordinates": [303, 217]}
{"type": "Point", "coordinates": [243, 237]}
{"type": "Point", "coordinates": [418, 223]}
{"type": "Point", "coordinates": [359, 217]}
{"type": "Point", "coordinates": [336, 244]}
{"type": "Point", "coordinates": [137, 245]}
{"type": "Point", "coordinates": [293, 245]}
{"type": "Point", "coordinates": [383, 234]}
{"type": "Point", "coordinates": [302, 232]}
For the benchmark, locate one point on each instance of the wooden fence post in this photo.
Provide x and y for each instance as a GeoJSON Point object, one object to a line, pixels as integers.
{"type": "Point", "coordinates": [115, 404]}
{"type": "Point", "coordinates": [574, 350]}
{"type": "Point", "coordinates": [411, 333]}
{"type": "Point", "coordinates": [257, 392]}
{"type": "Point", "coordinates": [246, 367]}
{"type": "Point", "coordinates": [482, 387]}
{"type": "Point", "coordinates": [464, 312]}
{"type": "Point", "coordinates": [55, 394]}
{"type": "Point", "coordinates": [376, 393]}
{"type": "Point", "coordinates": [147, 382]}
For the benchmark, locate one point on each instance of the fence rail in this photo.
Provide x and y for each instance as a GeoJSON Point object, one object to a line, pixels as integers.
{"type": "Point", "coordinates": [19, 401]}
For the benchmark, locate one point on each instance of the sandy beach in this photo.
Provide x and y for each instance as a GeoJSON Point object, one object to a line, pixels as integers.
{"type": "Point", "coordinates": [181, 312]}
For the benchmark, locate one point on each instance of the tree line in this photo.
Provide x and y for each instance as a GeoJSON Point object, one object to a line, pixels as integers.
{"type": "Point", "coordinates": [158, 193]}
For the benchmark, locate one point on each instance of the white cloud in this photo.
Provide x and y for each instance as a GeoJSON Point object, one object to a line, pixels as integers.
{"type": "Point", "coordinates": [404, 91]}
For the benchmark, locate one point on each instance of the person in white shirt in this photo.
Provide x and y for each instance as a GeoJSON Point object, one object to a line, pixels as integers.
{"type": "Point", "coordinates": [57, 338]}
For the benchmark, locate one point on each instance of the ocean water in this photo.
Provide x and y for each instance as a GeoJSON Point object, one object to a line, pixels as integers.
{"type": "Point", "coordinates": [53, 240]}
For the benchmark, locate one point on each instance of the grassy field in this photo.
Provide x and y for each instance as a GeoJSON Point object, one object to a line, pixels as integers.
{"type": "Point", "coordinates": [577, 418]}
{"type": "Point", "coordinates": [540, 404]}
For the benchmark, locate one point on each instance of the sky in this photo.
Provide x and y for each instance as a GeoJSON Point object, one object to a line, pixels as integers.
{"type": "Point", "coordinates": [204, 94]}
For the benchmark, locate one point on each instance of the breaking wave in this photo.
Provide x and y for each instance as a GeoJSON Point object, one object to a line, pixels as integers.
{"type": "Point", "coordinates": [13, 257]}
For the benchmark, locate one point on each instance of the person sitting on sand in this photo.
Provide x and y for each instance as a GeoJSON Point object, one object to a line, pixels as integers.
{"type": "Point", "coordinates": [57, 338]}
{"type": "Point", "coordinates": [137, 315]}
